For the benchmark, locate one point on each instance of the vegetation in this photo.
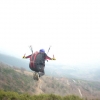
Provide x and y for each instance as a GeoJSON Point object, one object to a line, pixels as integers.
{"type": "Point", "coordinates": [10, 95]}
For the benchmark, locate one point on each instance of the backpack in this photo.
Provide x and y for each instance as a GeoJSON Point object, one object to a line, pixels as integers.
{"type": "Point", "coordinates": [36, 59]}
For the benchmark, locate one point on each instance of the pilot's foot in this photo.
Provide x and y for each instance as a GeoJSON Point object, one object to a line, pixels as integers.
{"type": "Point", "coordinates": [40, 74]}
{"type": "Point", "coordinates": [36, 76]}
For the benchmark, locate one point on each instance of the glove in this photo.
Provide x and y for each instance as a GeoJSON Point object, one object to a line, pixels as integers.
{"type": "Point", "coordinates": [23, 57]}
{"type": "Point", "coordinates": [53, 59]}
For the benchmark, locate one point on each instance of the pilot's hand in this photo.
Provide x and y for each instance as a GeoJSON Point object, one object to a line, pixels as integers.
{"type": "Point", "coordinates": [53, 59]}
{"type": "Point", "coordinates": [23, 57]}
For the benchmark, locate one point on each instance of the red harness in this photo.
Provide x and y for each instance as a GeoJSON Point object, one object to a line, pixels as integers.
{"type": "Point", "coordinates": [32, 59]}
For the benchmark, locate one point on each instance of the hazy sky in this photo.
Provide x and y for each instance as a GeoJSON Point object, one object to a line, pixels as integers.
{"type": "Point", "coordinates": [71, 27]}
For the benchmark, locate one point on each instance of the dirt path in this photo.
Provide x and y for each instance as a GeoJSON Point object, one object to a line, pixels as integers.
{"type": "Point", "coordinates": [38, 86]}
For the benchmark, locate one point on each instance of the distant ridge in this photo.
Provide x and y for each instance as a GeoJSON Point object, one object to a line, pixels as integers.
{"type": "Point", "coordinates": [13, 61]}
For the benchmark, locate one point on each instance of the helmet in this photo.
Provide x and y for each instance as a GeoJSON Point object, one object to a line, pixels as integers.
{"type": "Point", "coordinates": [42, 50]}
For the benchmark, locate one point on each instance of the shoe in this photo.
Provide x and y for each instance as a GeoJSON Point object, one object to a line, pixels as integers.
{"type": "Point", "coordinates": [36, 76]}
{"type": "Point", "coordinates": [39, 74]}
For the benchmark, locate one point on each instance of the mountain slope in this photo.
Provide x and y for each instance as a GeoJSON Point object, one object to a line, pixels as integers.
{"type": "Point", "coordinates": [21, 81]}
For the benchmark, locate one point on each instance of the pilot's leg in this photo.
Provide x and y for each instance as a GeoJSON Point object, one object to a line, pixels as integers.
{"type": "Point", "coordinates": [41, 73]}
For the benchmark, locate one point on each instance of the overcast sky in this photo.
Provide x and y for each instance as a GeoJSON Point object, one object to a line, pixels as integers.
{"type": "Point", "coordinates": [71, 27]}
